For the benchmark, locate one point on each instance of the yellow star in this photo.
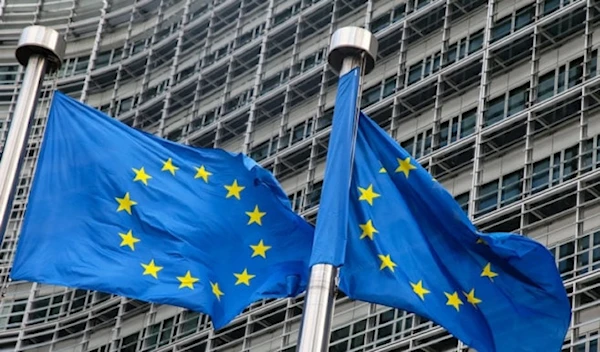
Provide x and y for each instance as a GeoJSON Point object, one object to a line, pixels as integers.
{"type": "Point", "coordinates": [216, 290]}
{"type": "Point", "coordinates": [125, 203]}
{"type": "Point", "coordinates": [187, 280]}
{"type": "Point", "coordinates": [368, 230]}
{"type": "Point", "coordinates": [243, 277]}
{"type": "Point", "coordinates": [382, 170]}
{"type": "Point", "coordinates": [260, 249]}
{"type": "Point", "coordinates": [128, 240]}
{"type": "Point", "coordinates": [202, 173]}
{"type": "Point", "coordinates": [487, 271]}
{"type": "Point", "coordinates": [141, 175]}
{"type": "Point", "coordinates": [419, 289]}
{"type": "Point", "coordinates": [234, 190]}
{"type": "Point", "coordinates": [481, 241]}
{"type": "Point", "coordinates": [405, 166]}
{"type": "Point", "coordinates": [168, 166]}
{"type": "Point", "coordinates": [255, 216]}
{"type": "Point", "coordinates": [453, 300]}
{"type": "Point", "coordinates": [471, 298]}
{"type": "Point", "coordinates": [368, 194]}
{"type": "Point", "coordinates": [151, 269]}
{"type": "Point", "coordinates": [386, 262]}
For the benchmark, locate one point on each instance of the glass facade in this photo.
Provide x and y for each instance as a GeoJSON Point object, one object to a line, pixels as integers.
{"type": "Point", "coordinates": [498, 99]}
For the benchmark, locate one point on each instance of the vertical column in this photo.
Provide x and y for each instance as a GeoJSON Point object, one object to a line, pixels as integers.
{"type": "Point", "coordinates": [200, 65]}
{"type": "Point", "coordinates": [481, 107]}
{"type": "Point", "coordinates": [248, 138]}
{"type": "Point", "coordinates": [230, 65]}
{"type": "Point", "coordinates": [314, 148]}
{"type": "Point", "coordinates": [94, 53]}
{"type": "Point", "coordinates": [148, 66]}
{"type": "Point", "coordinates": [437, 112]}
{"type": "Point", "coordinates": [401, 74]}
{"type": "Point", "coordinates": [173, 70]}
{"type": "Point", "coordinates": [123, 56]}
{"type": "Point", "coordinates": [583, 118]}
{"type": "Point", "coordinates": [533, 82]}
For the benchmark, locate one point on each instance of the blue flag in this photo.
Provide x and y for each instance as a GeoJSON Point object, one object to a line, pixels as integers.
{"type": "Point", "coordinates": [409, 245]}
{"type": "Point", "coordinates": [117, 210]}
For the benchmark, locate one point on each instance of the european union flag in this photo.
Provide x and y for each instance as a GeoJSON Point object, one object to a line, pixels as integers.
{"type": "Point", "coordinates": [117, 210]}
{"type": "Point", "coordinates": [409, 245]}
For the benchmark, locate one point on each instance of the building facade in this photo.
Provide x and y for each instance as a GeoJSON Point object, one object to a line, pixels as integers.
{"type": "Point", "coordinates": [498, 99]}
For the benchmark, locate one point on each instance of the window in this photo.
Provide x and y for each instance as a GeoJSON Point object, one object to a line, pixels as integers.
{"type": "Point", "coordinates": [546, 86]}
{"type": "Point", "coordinates": [550, 6]}
{"type": "Point", "coordinates": [495, 111]}
{"type": "Point", "coordinates": [467, 126]}
{"type": "Point", "coordinates": [501, 28]}
{"type": "Point", "coordinates": [421, 147]}
{"type": "Point", "coordinates": [575, 72]}
{"type": "Point", "coordinates": [524, 17]}
{"type": "Point", "coordinates": [463, 201]}
{"type": "Point", "coordinates": [517, 99]}
{"type": "Point", "coordinates": [488, 198]}
{"type": "Point", "coordinates": [414, 73]}
{"type": "Point", "coordinates": [475, 41]}
{"type": "Point", "coordinates": [511, 188]}
{"type": "Point", "coordinates": [540, 177]}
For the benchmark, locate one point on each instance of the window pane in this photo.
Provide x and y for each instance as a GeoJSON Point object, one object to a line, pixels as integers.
{"type": "Point", "coordinates": [511, 187]}
{"type": "Point", "coordinates": [444, 129]}
{"type": "Point", "coordinates": [523, 18]}
{"type": "Point", "coordinates": [541, 175]}
{"type": "Point", "coordinates": [495, 111]}
{"type": "Point", "coordinates": [575, 72]}
{"type": "Point", "coordinates": [468, 123]}
{"type": "Point", "coordinates": [546, 86]}
{"type": "Point", "coordinates": [414, 73]}
{"type": "Point", "coordinates": [501, 29]}
{"type": "Point", "coordinates": [550, 5]}
{"type": "Point", "coordinates": [489, 197]}
{"type": "Point", "coordinates": [476, 42]}
{"type": "Point", "coordinates": [517, 100]}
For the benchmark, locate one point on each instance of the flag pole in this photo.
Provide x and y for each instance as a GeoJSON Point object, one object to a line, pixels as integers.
{"type": "Point", "coordinates": [40, 50]}
{"type": "Point", "coordinates": [350, 47]}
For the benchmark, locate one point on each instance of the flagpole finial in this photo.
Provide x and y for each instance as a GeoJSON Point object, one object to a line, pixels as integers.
{"type": "Point", "coordinates": [43, 41]}
{"type": "Point", "coordinates": [352, 42]}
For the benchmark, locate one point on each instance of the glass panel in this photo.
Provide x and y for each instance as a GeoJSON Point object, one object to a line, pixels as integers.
{"type": "Point", "coordinates": [560, 85]}
{"type": "Point", "coordinates": [489, 197]}
{"type": "Point", "coordinates": [523, 17]}
{"type": "Point", "coordinates": [546, 86]}
{"type": "Point", "coordinates": [467, 125]}
{"type": "Point", "coordinates": [414, 73]}
{"type": "Point", "coordinates": [495, 111]}
{"type": "Point", "coordinates": [511, 187]}
{"type": "Point", "coordinates": [444, 129]}
{"type": "Point", "coordinates": [517, 100]}
{"type": "Point", "coordinates": [476, 42]}
{"type": "Point", "coordinates": [502, 28]}
{"type": "Point", "coordinates": [541, 175]}
{"type": "Point", "coordinates": [550, 5]}
{"type": "Point", "coordinates": [575, 72]}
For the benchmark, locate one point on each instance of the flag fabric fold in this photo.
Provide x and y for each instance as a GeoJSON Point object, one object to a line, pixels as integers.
{"type": "Point", "coordinates": [118, 210]}
{"type": "Point", "coordinates": [330, 234]}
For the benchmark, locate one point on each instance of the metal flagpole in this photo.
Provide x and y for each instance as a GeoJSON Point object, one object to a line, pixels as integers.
{"type": "Point", "coordinates": [40, 50]}
{"type": "Point", "coordinates": [350, 47]}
